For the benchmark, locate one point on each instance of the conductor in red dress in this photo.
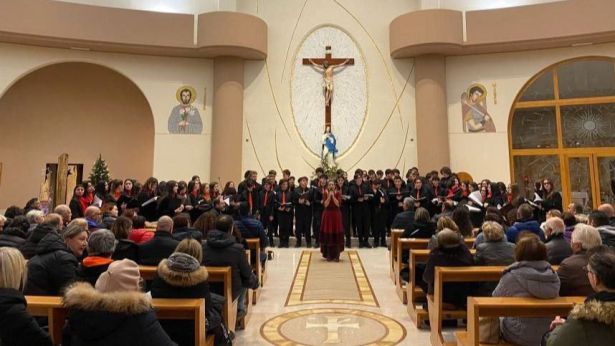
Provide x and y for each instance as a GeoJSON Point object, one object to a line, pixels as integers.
{"type": "Point", "coordinates": [331, 228]}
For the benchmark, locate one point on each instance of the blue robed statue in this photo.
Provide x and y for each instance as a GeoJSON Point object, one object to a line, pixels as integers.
{"type": "Point", "coordinates": [329, 147]}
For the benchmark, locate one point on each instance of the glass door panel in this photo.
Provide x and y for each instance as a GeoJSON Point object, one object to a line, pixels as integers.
{"type": "Point", "coordinates": [606, 178]}
{"type": "Point", "coordinates": [579, 169]}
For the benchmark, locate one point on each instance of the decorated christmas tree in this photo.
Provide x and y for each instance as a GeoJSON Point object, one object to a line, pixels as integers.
{"type": "Point", "coordinates": [100, 171]}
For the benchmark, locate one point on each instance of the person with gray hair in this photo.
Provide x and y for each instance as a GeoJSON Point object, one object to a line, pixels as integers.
{"type": "Point", "coordinates": [64, 211]}
{"type": "Point", "coordinates": [101, 245]}
{"type": "Point", "coordinates": [571, 272]}
{"type": "Point", "coordinates": [55, 220]}
{"type": "Point", "coordinates": [161, 246]}
{"type": "Point", "coordinates": [558, 248]}
{"type": "Point", "coordinates": [35, 218]}
{"type": "Point", "coordinates": [405, 219]}
{"type": "Point", "coordinates": [495, 250]}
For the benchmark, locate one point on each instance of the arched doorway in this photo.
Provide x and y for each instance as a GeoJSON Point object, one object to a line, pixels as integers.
{"type": "Point", "coordinates": [562, 127]}
{"type": "Point", "coordinates": [82, 109]}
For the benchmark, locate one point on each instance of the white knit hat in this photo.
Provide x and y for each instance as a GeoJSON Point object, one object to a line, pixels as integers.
{"type": "Point", "coordinates": [120, 276]}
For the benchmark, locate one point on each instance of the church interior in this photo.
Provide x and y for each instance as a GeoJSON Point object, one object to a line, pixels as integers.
{"type": "Point", "coordinates": [391, 172]}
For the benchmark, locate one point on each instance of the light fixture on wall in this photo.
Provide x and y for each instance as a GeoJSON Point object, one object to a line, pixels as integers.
{"type": "Point", "coordinates": [79, 48]}
{"type": "Point", "coordinates": [581, 44]}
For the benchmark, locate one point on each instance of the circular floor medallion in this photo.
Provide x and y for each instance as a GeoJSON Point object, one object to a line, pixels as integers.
{"type": "Point", "coordinates": [333, 327]}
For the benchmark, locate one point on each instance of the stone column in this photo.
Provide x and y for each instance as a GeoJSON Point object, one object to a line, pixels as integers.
{"type": "Point", "coordinates": [431, 113]}
{"type": "Point", "coordinates": [227, 122]}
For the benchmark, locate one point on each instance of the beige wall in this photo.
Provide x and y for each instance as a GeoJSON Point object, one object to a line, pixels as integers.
{"type": "Point", "coordinates": [485, 155]}
{"type": "Point", "coordinates": [76, 108]}
{"type": "Point", "coordinates": [274, 142]}
{"type": "Point", "coordinates": [175, 156]}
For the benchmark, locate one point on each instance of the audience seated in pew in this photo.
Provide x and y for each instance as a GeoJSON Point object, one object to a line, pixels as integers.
{"type": "Point", "coordinates": [124, 247]}
{"type": "Point", "coordinates": [222, 249]}
{"type": "Point", "coordinates": [422, 227]}
{"type": "Point", "coordinates": [18, 326]}
{"type": "Point", "coordinates": [16, 232]}
{"type": "Point", "coordinates": [601, 221]}
{"type": "Point", "coordinates": [592, 323]}
{"type": "Point", "coordinates": [28, 248]}
{"type": "Point", "coordinates": [405, 219]}
{"type": "Point", "coordinates": [525, 222]}
{"type": "Point", "coordinates": [530, 276]}
{"type": "Point", "coordinates": [161, 246]}
{"type": "Point", "coordinates": [182, 228]}
{"type": "Point", "coordinates": [182, 276]}
{"type": "Point", "coordinates": [251, 228]}
{"type": "Point", "coordinates": [442, 223]}
{"type": "Point", "coordinates": [139, 234]}
{"type": "Point", "coordinates": [571, 270]}
{"type": "Point", "coordinates": [101, 246]}
{"type": "Point", "coordinates": [114, 312]}
{"type": "Point", "coordinates": [558, 248]}
{"type": "Point", "coordinates": [495, 250]}
{"type": "Point", "coordinates": [451, 252]}
{"type": "Point", "coordinates": [55, 263]}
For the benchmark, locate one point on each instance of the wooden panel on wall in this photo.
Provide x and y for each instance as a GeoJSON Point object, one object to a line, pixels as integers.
{"type": "Point", "coordinates": [60, 188]}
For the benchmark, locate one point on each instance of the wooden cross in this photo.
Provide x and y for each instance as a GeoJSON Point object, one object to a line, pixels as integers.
{"type": "Point", "coordinates": [332, 63]}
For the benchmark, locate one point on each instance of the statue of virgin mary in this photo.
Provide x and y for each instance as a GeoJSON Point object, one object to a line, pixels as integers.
{"type": "Point", "coordinates": [329, 148]}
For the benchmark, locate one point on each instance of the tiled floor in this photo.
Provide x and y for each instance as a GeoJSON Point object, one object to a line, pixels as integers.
{"type": "Point", "coordinates": [280, 276]}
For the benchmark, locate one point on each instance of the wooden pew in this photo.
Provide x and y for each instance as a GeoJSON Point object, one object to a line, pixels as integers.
{"type": "Point", "coordinates": [408, 244]}
{"type": "Point", "coordinates": [255, 247]}
{"type": "Point", "coordinates": [395, 234]}
{"type": "Point", "coordinates": [403, 245]}
{"type": "Point", "coordinates": [216, 274]}
{"type": "Point", "coordinates": [414, 293]}
{"type": "Point", "coordinates": [511, 307]}
{"type": "Point", "coordinates": [166, 309]}
{"type": "Point", "coordinates": [455, 274]}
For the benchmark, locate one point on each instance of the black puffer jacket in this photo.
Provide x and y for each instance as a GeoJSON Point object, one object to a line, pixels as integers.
{"type": "Point", "coordinates": [28, 248]}
{"type": "Point", "coordinates": [118, 318]}
{"type": "Point", "coordinates": [222, 250]}
{"type": "Point", "coordinates": [161, 246]}
{"type": "Point", "coordinates": [182, 233]}
{"type": "Point", "coordinates": [53, 267]}
{"type": "Point", "coordinates": [125, 248]}
{"type": "Point", "coordinates": [18, 327]}
{"type": "Point", "coordinates": [175, 284]}
{"type": "Point", "coordinates": [12, 237]}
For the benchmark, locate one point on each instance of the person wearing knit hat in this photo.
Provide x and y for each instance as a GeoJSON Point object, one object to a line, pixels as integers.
{"type": "Point", "coordinates": [116, 312]}
{"type": "Point", "coordinates": [120, 276]}
{"type": "Point", "coordinates": [182, 276]}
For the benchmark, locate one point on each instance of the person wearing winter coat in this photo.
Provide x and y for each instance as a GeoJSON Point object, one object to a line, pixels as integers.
{"type": "Point", "coordinates": [101, 245]}
{"type": "Point", "coordinates": [182, 276]}
{"type": "Point", "coordinates": [55, 263]}
{"type": "Point", "coordinates": [495, 250]}
{"type": "Point", "coordinates": [571, 273]}
{"type": "Point", "coordinates": [161, 246]}
{"type": "Point", "coordinates": [558, 248]}
{"type": "Point", "coordinates": [28, 248]}
{"type": "Point", "coordinates": [600, 220]}
{"type": "Point", "coordinates": [451, 252]}
{"type": "Point", "coordinates": [114, 312]}
{"type": "Point", "coordinates": [530, 276]}
{"type": "Point", "coordinates": [221, 249]}
{"type": "Point", "coordinates": [524, 223]}
{"type": "Point", "coordinates": [12, 237]}
{"type": "Point", "coordinates": [591, 323]}
{"type": "Point", "coordinates": [17, 326]}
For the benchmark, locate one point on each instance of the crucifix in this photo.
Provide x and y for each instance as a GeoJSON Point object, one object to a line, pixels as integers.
{"type": "Point", "coordinates": [327, 65]}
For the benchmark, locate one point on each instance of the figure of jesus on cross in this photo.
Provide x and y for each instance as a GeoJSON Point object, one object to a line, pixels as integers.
{"type": "Point", "coordinates": [327, 65]}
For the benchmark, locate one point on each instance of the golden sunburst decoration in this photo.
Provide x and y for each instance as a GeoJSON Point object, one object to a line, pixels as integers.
{"type": "Point", "coordinates": [587, 126]}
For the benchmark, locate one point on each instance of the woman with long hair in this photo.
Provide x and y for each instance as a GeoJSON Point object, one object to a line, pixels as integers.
{"type": "Point", "coordinates": [147, 199]}
{"type": "Point", "coordinates": [214, 190]}
{"type": "Point", "coordinates": [75, 202]}
{"type": "Point", "coordinates": [331, 227]}
{"type": "Point", "coordinates": [171, 203]}
{"type": "Point", "coordinates": [18, 326]}
{"type": "Point", "coordinates": [551, 199]}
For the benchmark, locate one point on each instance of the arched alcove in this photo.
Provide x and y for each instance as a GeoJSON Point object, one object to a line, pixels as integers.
{"type": "Point", "coordinates": [82, 109]}
{"type": "Point", "coordinates": [562, 127]}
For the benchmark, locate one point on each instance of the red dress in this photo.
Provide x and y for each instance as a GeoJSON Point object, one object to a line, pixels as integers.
{"type": "Point", "coordinates": [331, 229]}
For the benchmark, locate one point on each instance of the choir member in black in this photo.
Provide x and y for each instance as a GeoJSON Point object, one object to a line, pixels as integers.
{"type": "Point", "coordinates": [266, 199]}
{"type": "Point", "coordinates": [230, 194]}
{"type": "Point", "coordinates": [249, 198]}
{"type": "Point", "coordinates": [551, 199]}
{"type": "Point", "coordinates": [422, 196]}
{"type": "Point", "coordinates": [396, 196]}
{"type": "Point", "coordinates": [319, 173]}
{"type": "Point", "coordinates": [378, 212]}
{"type": "Point", "coordinates": [318, 207]}
{"type": "Point", "coordinates": [342, 186]}
{"type": "Point", "coordinates": [270, 176]}
{"type": "Point", "coordinates": [291, 184]}
{"type": "Point", "coordinates": [360, 208]}
{"type": "Point", "coordinates": [302, 202]}
{"type": "Point", "coordinates": [148, 206]}
{"type": "Point", "coordinates": [171, 204]}
{"type": "Point", "coordinates": [184, 197]}
{"type": "Point", "coordinates": [284, 212]}
{"type": "Point", "coordinates": [242, 185]}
